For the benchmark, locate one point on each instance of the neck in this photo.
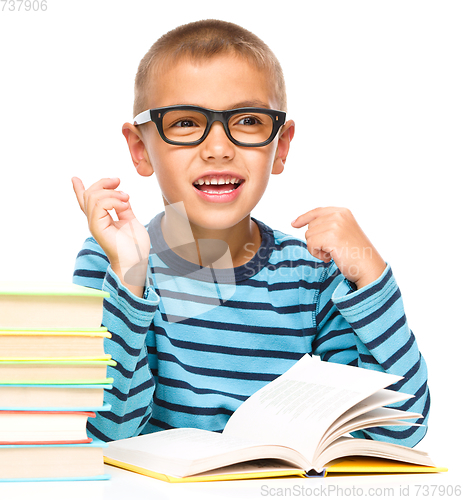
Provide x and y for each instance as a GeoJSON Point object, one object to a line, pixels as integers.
{"type": "Point", "coordinates": [222, 248]}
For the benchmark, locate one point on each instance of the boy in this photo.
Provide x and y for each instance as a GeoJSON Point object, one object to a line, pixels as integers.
{"type": "Point", "coordinates": [229, 304]}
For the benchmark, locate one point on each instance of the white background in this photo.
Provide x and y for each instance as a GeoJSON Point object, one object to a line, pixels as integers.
{"type": "Point", "coordinates": [375, 88]}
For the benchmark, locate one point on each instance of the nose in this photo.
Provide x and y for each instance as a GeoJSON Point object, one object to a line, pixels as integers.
{"type": "Point", "coordinates": [217, 146]}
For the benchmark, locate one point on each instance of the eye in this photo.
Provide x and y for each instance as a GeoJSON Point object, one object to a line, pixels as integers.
{"type": "Point", "coordinates": [249, 120]}
{"type": "Point", "coordinates": [184, 124]}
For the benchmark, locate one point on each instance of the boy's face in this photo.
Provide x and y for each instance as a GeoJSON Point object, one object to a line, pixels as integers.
{"type": "Point", "coordinates": [224, 82]}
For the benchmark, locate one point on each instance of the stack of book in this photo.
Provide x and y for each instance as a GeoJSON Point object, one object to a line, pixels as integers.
{"type": "Point", "coordinates": [52, 380]}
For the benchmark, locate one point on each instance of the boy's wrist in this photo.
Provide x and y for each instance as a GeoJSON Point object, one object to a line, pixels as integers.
{"type": "Point", "coordinates": [132, 277]}
{"type": "Point", "coordinates": [371, 273]}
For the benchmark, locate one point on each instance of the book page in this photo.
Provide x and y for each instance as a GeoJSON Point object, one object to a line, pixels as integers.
{"type": "Point", "coordinates": [183, 444]}
{"type": "Point", "coordinates": [345, 446]}
{"type": "Point", "coordinates": [186, 451]}
{"type": "Point", "coordinates": [377, 417]}
{"type": "Point", "coordinates": [296, 408]}
{"type": "Point", "coordinates": [381, 398]}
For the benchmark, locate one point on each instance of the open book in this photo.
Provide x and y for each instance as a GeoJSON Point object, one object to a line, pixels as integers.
{"type": "Point", "coordinates": [299, 421]}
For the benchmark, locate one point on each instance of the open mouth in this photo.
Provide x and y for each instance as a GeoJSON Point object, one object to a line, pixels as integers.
{"type": "Point", "coordinates": [217, 184]}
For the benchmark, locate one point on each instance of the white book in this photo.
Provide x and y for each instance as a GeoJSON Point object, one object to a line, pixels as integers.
{"type": "Point", "coordinates": [299, 421]}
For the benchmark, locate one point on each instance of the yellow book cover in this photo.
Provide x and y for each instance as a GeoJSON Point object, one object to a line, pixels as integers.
{"type": "Point", "coordinates": [256, 469]}
{"type": "Point", "coordinates": [372, 465]}
{"type": "Point", "coordinates": [261, 469]}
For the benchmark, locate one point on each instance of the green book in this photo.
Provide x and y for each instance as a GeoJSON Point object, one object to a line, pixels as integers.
{"type": "Point", "coordinates": [50, 306]}
{"type": "Point", "coordinates": [55, 371]}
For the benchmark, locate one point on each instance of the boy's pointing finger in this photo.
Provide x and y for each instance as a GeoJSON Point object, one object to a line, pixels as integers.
{"type": "Point", "coordinates": [79, 190]}
{"type": "Point", "coordinates": [308, 217]}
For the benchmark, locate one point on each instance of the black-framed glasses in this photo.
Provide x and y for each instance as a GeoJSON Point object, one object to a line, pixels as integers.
{"type": "Point", "coordinates": [185, 125]}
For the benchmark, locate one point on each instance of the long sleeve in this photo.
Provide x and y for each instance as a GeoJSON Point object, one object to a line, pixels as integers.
{"type": "Point", "coordinates": [128, 319]}
{"type": "Point", "coordinates": [368, 328]}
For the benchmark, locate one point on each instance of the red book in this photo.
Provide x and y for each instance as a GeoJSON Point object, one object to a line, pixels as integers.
{"type": "Point", "coordinates": [44, 427]}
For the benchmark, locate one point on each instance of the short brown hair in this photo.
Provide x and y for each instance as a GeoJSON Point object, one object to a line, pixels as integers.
{"type": "Point", "coordinates": [203, 39]}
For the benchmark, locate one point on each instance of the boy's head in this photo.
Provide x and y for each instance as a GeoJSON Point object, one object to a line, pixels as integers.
{"type": "Point", "coordinates": [200, 41]}
{"type": "Point", "coordinates": [214, 66]}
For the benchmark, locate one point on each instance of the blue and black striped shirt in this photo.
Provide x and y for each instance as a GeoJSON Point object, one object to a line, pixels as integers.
{"type": "Point", "coordinates": [199, 342]}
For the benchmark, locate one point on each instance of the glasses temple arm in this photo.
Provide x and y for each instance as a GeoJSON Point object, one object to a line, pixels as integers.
{"type": "Point", "coordinates": [143, 117]}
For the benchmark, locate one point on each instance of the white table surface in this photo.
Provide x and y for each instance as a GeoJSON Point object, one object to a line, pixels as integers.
{"type": "Point", "coordinates": [125, 485]}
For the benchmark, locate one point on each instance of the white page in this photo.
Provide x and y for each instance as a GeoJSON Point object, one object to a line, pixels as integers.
{"type": "Point", "coordinates": [171, 451]}
{"type": "Point", "coordinates": [185, 451]}
{"type": "Point", "coordinates": [381, 398]}
{"type": "Point", "coordinates": [295, 409]}
{"type": "Point", "coordinates": [381, 449]}
{"type": "Point", "coordinates": [376, 417]}
{"type": "Point", "coordinates": [180, 444]}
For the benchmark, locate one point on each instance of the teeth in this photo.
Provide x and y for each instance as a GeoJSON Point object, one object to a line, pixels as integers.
{"type": "Point", "coordinates": [214, 192]}
{"type": "Point", "coordinates": [217, 180]}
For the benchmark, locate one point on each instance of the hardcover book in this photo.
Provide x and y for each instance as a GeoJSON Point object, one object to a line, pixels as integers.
{"type": "Point", "coordinates": [50, 306]}
{"type": "Point", "coordinates": [52, 462]}
{"type": "Point", "coordinates": [295, 425]}
{"type": "Point", "coordinates": [74, 397]}
{"type": "Point", "coordinates": [55, 370]}
{"type": "Point", "coordinates": [33, 344]}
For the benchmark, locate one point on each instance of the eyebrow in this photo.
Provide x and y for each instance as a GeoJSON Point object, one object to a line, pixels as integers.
{"type": "Point", "coordinates": [250, 104]}
{"type": "Point", "coordinates": [256, 103]}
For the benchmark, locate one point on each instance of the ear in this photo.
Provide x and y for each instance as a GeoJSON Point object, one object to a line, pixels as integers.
{"type": "Point", "coordinates": [137, 149]}
{"type": "Point", "coordinates": [286, 136]}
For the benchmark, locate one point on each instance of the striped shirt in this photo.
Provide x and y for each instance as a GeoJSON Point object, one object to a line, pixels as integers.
{"type": "Point", "coordinates": [199, 342]}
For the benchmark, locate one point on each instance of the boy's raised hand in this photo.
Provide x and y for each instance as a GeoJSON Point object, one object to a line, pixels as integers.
{"type": "Point", "coordinates": [333, 233]}
{"type": "Point", "coordinates": [125, 242]}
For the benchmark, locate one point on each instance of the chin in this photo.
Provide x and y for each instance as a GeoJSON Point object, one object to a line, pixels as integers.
{"type": "Point", "coordinates": [217, 221]}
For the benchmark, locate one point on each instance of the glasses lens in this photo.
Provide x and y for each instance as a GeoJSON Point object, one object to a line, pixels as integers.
{"type": "Point", "coordinates": [250, 128]}
{"type": "Point", "coordinates": [184, 125]}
